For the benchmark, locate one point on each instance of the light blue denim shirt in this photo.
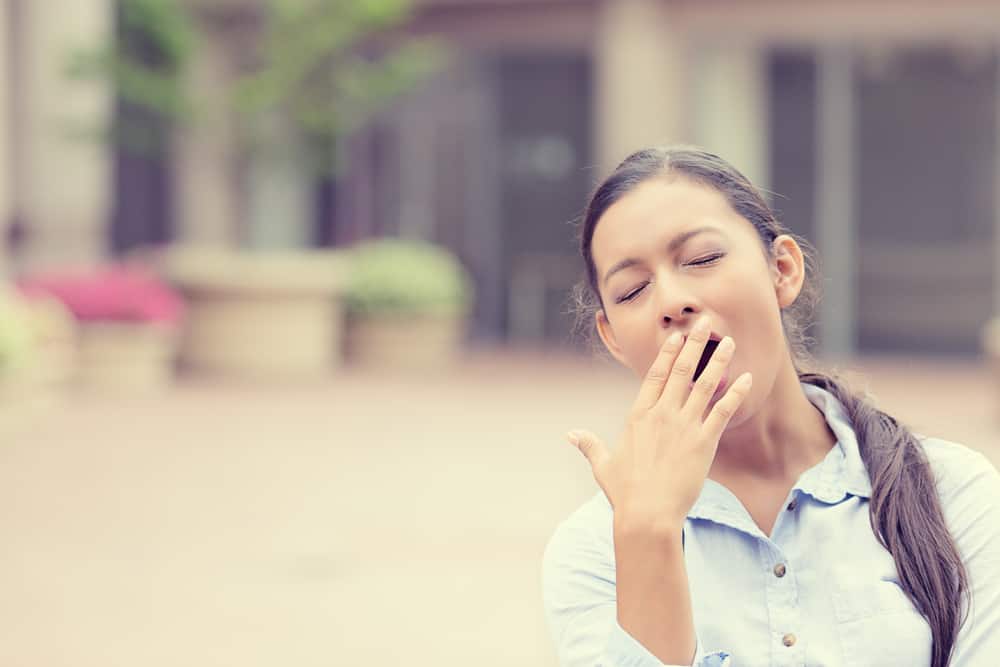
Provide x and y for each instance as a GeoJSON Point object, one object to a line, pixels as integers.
{"type": "Point", "coordinates": [819, 591]}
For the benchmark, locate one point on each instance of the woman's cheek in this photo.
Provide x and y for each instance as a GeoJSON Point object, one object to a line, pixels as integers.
{"type": "Point", "coordinates": [642, 357]}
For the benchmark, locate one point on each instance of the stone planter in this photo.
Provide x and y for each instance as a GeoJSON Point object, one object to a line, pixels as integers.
{"type": "Point", "coordinates": [405, 341]}
{"type": "Point", "coordinates": [56, 334]}
{"type": "Point", "coordinates": [264, 316]}
{"type": "Point", "coordinates": [30, 389]}
{"type": "Point", "coordinates": [125, 356]}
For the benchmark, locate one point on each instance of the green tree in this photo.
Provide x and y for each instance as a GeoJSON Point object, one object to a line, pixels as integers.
{"type": "Point", "coordinates": [325, 67]}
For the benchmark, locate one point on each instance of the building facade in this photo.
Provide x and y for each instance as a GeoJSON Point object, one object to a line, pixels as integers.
{"type": "Point", "coordinates": [875, 125]}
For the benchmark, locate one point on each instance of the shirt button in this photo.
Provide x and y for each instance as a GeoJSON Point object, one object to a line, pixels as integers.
{"type": "Point", "coordinates": [788, 640]}
{"type": "Point", "coordinates": [779, 570]}
{"type": "Point", "coordinates": [792, 505]}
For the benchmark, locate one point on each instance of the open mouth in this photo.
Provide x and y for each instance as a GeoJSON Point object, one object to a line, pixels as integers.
{"type": "Point", "coordinates": [710, 348]}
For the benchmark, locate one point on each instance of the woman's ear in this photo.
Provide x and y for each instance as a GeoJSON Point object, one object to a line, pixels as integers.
{"type": "Point", "coordinates": [607, 335]}
{"type": "Point", "coordinates": [788, 269]}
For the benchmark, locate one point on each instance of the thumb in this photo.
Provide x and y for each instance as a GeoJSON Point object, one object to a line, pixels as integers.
{"type": "Point", "coordinates": [589, 445]}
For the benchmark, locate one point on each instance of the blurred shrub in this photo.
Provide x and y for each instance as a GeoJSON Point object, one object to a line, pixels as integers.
{"type": "Point", "coordinates": [388, 276]}
{"type": "Point", "coordinates": [17, 345]}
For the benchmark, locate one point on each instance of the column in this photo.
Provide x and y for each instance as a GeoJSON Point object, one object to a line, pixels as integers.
{"type": "Point", "coordinates": [206, 188]}
{"type": "Point", "coordinates": [639, 72]}
{"type": "Point", "coordinates": [416, 134]}
{"type": "Point", "coordinates": [730, 109]}
{"type": "Point", "coordinates": [63, 181]}
{"type": "Point", "coordinates": [835, 215]}
{"type": "Point", "coordinates": [6, 203]}
{"type": "Point", "coordinates": [281, 186]}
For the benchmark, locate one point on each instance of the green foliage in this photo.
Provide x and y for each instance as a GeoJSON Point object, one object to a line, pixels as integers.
{"type": "Point", "coordinates": [146, 67]}
{"type": "Point", "coordinates": [328, 66]}
{"type": "Point", "coordinates": [324, 67]}
{"type": "Point", "coordinates": [393, 276]}
{"type": "Point", "coordinates": [17, 345]}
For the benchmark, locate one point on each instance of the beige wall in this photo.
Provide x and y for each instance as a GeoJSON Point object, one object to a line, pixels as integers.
{"type": "Point", "coordinates": [63, 183]}
{"type": "Point", "coordinates": [783, 21]}
{"type": "Point", "coordinates": [509, 25]}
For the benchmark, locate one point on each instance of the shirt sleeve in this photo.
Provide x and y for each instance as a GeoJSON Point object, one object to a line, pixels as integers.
{"type": "Point", "coordinates": [578, 584]}
{"type": "Point", "coordinates": [971, 504]}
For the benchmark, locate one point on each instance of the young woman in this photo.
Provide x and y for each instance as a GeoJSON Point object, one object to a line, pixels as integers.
{"type": "Point", "coordinates": [753, 513]}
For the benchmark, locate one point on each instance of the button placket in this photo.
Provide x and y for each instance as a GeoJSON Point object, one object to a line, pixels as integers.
{"type": "Point", "coordinates": [782, 603]}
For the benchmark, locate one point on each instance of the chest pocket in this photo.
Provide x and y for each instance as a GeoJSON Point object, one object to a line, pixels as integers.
{"type": "Point", "coordinates": [877, 625]}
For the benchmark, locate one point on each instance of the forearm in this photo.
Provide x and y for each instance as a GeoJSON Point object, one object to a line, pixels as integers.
{"type": "Point", "coordinates": [653, 596]}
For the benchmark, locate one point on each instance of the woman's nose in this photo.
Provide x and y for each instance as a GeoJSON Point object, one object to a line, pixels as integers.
{"type": "Point", "coordinates": [676, 306]}
{"type": "Point", "coordinates": [688, 313]}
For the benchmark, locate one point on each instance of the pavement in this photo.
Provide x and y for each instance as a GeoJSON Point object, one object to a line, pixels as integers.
{"type": "Point", "coordinates": [372, 519]}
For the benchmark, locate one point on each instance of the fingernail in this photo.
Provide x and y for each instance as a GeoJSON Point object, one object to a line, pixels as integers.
{"type": "Point", "coordinates": [675, 338]}
{"type": "Point", "coordinates": [573, 437]}
{"type": "Point", "coordinates": [702, 325]}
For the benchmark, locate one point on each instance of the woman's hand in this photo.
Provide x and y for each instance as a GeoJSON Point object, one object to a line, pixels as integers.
{"type": "Point", "coordinates": [658, 469]}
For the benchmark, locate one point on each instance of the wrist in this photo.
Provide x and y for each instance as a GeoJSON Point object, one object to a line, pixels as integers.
{"type": "Point", "coordinates": [664, 532]}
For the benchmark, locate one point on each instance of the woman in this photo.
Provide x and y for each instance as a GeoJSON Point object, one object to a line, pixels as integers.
{"type": "Point", "coordinates": [753, 513]}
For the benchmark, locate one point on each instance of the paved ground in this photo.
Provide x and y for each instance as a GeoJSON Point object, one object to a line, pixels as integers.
{"type": "Point", "coordinates": [372, 520]}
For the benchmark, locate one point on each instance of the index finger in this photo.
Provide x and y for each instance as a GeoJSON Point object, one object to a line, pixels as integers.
{"type": "Point", "coordinates": [658, 373]}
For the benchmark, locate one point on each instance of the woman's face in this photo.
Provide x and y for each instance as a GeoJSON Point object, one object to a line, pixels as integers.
{"type": "Point", "coordinates": [673, 250]}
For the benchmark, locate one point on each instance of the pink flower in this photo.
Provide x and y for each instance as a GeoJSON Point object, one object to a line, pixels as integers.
{"type": "Point", "coordinates": [115, 293]}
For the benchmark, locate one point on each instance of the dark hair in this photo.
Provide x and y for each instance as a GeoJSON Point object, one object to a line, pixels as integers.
{"type": "Point", "coordinates": [905, 510]}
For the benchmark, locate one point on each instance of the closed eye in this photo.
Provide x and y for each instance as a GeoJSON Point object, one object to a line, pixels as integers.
{"type": "Point", "coordinates": [631, 295]}
{"type": "Point", "coordinates": [709, 259]}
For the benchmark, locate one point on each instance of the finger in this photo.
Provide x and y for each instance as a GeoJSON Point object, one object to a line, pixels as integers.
{"type": "Point", "coordinates": [726, 407]}
{"type": "Point", "coordinates": [659, 371]}
{"type": "Point", "coordinates": [590, 446]}
{"type": "Point", "coordinates": [708, 382]}
{"type": "Point", "coordinates": [678, 384]}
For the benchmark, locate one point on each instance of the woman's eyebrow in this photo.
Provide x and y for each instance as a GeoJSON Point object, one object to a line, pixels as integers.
{"type": "Point", "coordinates": [674, 244]}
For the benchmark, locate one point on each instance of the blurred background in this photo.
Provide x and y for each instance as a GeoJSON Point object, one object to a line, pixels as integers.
{"type": "Point", "coordinates": [286, 336]}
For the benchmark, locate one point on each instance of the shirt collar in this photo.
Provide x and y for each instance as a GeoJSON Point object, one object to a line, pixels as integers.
{"type": "Point", "coordinates": [840, 474]}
